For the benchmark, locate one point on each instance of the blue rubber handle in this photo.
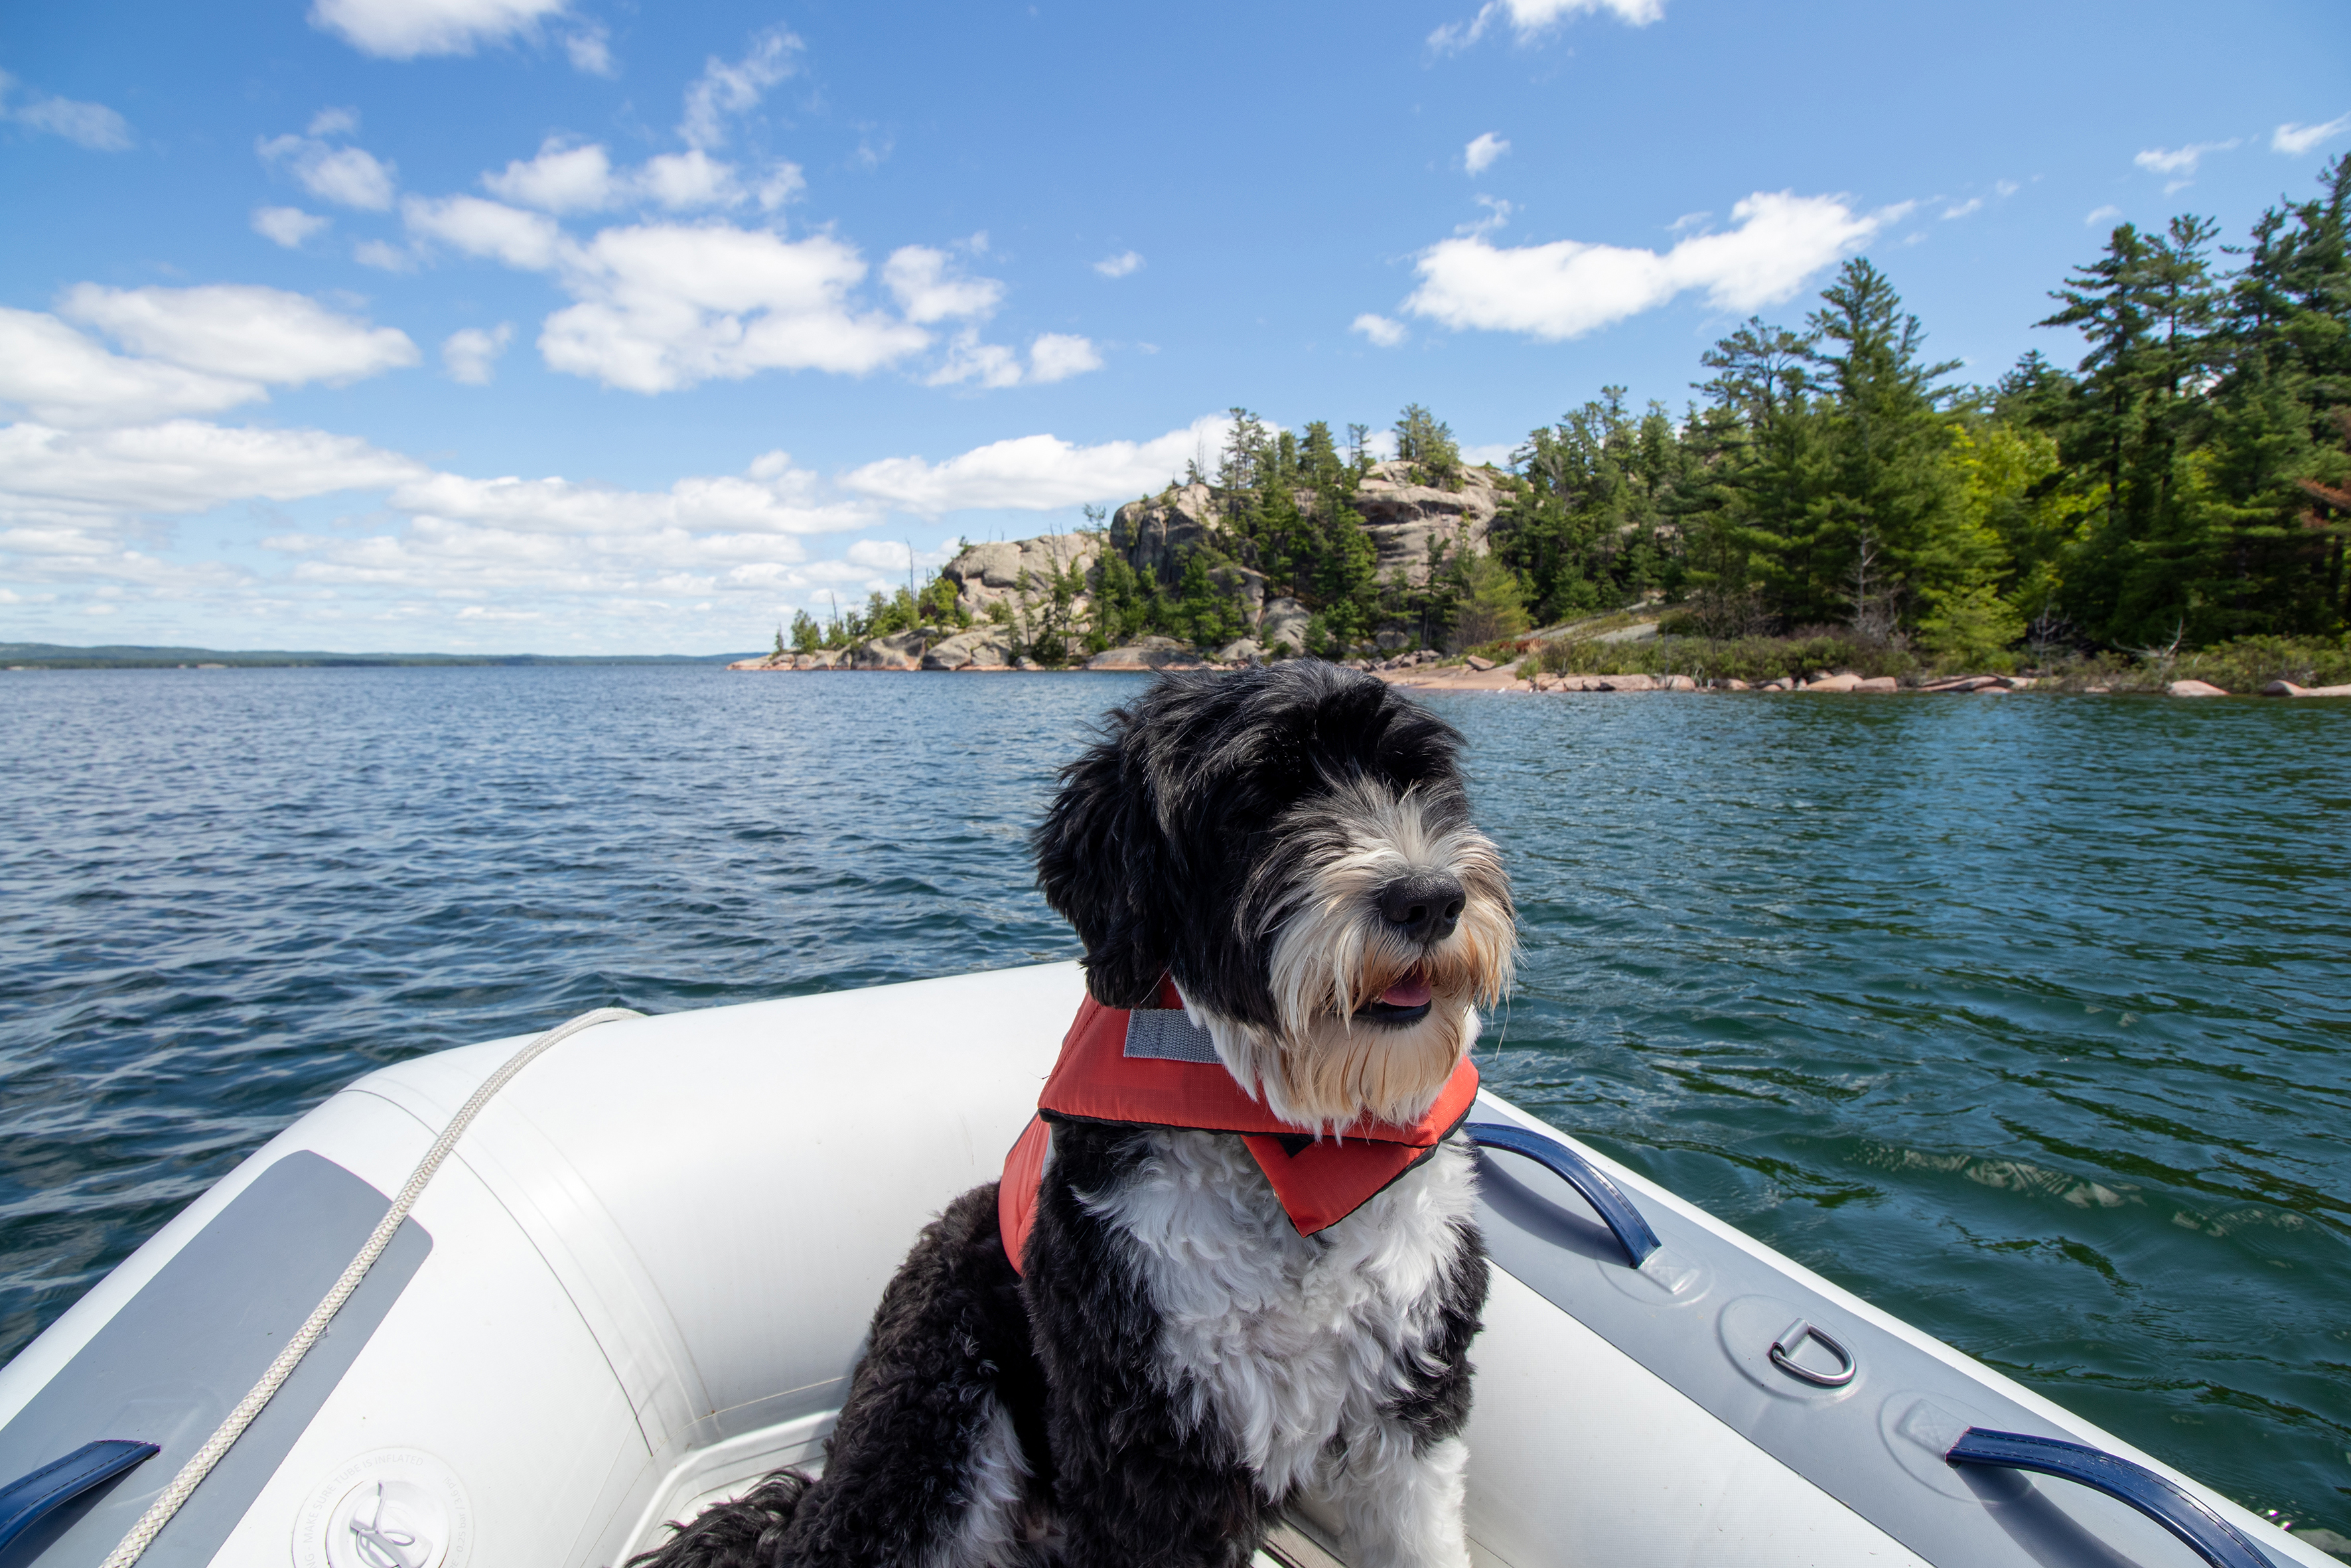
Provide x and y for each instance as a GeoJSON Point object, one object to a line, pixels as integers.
{"type": "Point", "coordinates": [26, 1501]}
{"type": "Point", "coordinates": [2206, 1535]}
{"type": "Point", "coordinates": [1608, 1200]}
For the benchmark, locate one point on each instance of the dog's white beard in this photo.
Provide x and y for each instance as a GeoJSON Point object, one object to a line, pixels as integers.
{"type": "Point", "coordinates": [1322, 1067]}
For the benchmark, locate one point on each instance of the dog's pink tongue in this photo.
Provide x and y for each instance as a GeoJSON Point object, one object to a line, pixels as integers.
{"type": "Point", "coordinates": [1407, 993]}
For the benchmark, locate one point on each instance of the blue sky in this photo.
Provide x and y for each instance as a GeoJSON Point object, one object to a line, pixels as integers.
{"type": "Point", "coordinates": [586, 327]}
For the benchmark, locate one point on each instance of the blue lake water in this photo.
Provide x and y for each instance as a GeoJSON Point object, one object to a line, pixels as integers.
{"type": "Point", "coordinates": [2026, 1016]}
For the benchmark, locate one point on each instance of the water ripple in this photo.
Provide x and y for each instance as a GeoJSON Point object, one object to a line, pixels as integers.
{"type": "Point", "coordinates": [2025, 1019]}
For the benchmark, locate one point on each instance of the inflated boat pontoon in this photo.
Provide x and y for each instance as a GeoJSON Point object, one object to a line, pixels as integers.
{"type": "Point", "coordinates": [642, 1277]}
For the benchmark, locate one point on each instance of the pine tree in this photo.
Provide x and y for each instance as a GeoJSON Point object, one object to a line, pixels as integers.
{"type": "Point", "coordinates": [2143, 308]}
{"type": "Point", "coordinates": [2285, 355]}
{"type": "Point", "coordinates": [1427, 443]}
{"type": "Point", "coordinates": [1866, 515]}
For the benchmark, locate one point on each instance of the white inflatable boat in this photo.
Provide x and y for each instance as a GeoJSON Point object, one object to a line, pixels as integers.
{"type": "Point", "coordinates": [641, 1280]}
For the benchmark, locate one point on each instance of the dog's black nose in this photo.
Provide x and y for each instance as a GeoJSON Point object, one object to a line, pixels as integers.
{"type": "Point", "coordinates": [1424, 906]}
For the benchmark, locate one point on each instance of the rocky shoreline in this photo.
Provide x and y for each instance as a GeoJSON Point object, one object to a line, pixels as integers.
{"type": "Point", "coordinates": [978, 652]}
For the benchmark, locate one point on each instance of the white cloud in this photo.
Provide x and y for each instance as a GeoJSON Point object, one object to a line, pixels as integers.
{"type": "Point", "coordinates": [383, 255]}
{"type": "Point", "coordinates": [1382, 332]}
{"type": "Point", "coordinates": [725, 90]}
{"type": "Point", "coordinates": [664, 306]}
{"type": "Point", "coordinates": [72, 504]}
{"type": "Point", "coordinates": [568, 179]}
{"type": "Point", "coordinates": [1036, 473]}
{"type": "Point", "coordinates": [334, 122]}
{"type": "Point", "coordinates": [1494, 455]}
{"type": "Point", "coordinates": [880, 555]}
{"type": "Point", "coordinates": [561, 179]}
{"type": "Point", "coordinates": [591, 50]}
{"type": "Point", "coordinates": [2099, 214]}
{"type": "Point", "coordinates": [471, 354]}
{"type": "Point", "coordinates": [58, 377]}
{"type": "Point", "coordinates": [404, 29]}
{"type": "Point", "coordinates": [1052, 357]}
{"type": "Point", "coordinates": [349, 176]}
{"type": "Point", "coordinates": [90, 125]}
{"type": "Point", "coordinates": [702, 535]}
{"type": "Point", "coordinates": [918, 277]}
{"type": "Point", "coordinates": [1124, 263]}
{"type": "Point", "coordinates": [288, 226]}
{"type": "Point", "coordinates": [203, 351]}
{"type": "Point", "coordinates": [2179, 161]}
{"type": "Point", "coordinates": [1479, 155]}
{"type": "Point", "coordinates": [527, 241]}
{"type": "Point", "coordinates": [1498, 216]}
{"type": "Point", "coordinates": [969, 360]}
{"type": "Point", "coordinates": [185, 466]}
{"type": "Point", "coordinates": [1567, 288]}
{"type": "Point", "coordinates": [1968, 208]}
{"type": "Point", "coordinates": [2297, 139]}
{"type": "Point", "coordinates": [1531, 18]}
{"type": "Point", "coordinates": [691, 179]}
{"type": "Point", "coordinates": [782, 182]}
{"type": "Point", "coordinates": [779, 501]}
{"type": "Point", "coordinates": [241, 331]}
{"type": "Point", "coordinates": [1058, 356]}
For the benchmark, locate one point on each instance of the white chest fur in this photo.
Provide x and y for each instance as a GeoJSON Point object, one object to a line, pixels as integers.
{"type": "Point", "coordinates": [1284, 1341]}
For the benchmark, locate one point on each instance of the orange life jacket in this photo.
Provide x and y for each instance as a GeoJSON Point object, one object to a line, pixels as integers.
{"type": "Point", "coordinates": [1153, 1067]}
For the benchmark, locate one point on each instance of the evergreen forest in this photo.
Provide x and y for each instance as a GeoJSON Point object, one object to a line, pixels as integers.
{"type": "Point", "coordinates": [2187, 483]}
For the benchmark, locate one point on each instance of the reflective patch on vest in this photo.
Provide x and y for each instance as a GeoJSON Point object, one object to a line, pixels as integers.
{"type": "Point", "coordinates": [1168, 1034]}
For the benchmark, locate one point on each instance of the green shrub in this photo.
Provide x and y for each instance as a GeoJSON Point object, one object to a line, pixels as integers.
{"type": "Point", "coordinates": [1749, 659]}
{"type": "Point", "coordinates": [1971, 628]}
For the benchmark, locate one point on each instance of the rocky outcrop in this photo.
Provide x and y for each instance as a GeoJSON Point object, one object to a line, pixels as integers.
{"type": "Point", "coordinates": [2193, 689]}
{"type": "Point", "coordinates": [1241, 651]}
{"type": "Point", "coordinates": [1156, 533]}
{"type": "Point", "coordinates": [822, 659]}
{"type": "Point", "coordinates": [2288, 689]}
{"type": "Point", "coordinates": [1400, 515]}
{"type": "Point", "coordinates": [898, 651]}
{"type": "Point", "coordinates": [1403, 518]}
{"type": "Point", "coordinates": [985, 648]}
{"type": "Point", "coordinates": [1284, 622]}
{"type": "Point", "coordinates": [1150, 653]}
{"type": "Point", "coordinates": [991, 574]}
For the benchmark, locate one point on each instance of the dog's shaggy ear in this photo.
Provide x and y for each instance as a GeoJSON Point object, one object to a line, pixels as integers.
{"type": "Point", "coordinates": [1101, 861]}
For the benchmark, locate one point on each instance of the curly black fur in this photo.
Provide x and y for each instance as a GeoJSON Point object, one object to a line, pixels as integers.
{"type": "Point", "coordinates": [746, 1533]}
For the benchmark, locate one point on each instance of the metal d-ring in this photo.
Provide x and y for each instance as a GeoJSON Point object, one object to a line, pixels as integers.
{"type": "Point", "coordinates": [1783, 1355]}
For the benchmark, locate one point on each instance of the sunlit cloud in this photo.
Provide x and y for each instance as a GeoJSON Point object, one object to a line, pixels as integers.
{"type": "Point", "coordinates": [2297, 139]}
{"type": "Point", "coordinates": [1568, 288]}
{"type": "Point", "coordinates": [1530, 19]}
{"type": "Point", "coordinates": [405, 30]}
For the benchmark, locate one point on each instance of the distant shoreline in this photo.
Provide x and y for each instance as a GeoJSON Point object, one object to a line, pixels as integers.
{"type": "Point", "coordinates": [31, 656]}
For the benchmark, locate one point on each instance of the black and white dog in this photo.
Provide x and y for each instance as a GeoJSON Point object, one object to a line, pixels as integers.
{"type": "Point", "coordinates": [1177, 1364]}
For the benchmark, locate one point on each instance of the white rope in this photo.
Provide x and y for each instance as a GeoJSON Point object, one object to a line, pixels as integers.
{"type": "Point", "coordinates": [200, 1464]}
